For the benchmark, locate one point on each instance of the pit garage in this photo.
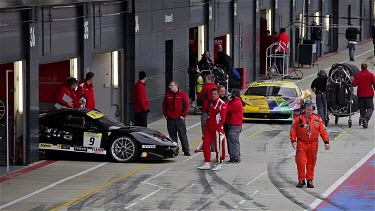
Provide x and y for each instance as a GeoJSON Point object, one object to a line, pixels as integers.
{"type": "Point", "coordinates": [11, 113]}
{"type": "Point", "coordinates": [51, 77]}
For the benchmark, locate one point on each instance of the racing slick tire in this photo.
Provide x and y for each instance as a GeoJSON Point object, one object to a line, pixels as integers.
{"type": "Point", "coordinates": [2, 110]}
{"type": "Point", "coordinates": [123, 149]}
{"type": "Point", "coordinates": [354, 68]}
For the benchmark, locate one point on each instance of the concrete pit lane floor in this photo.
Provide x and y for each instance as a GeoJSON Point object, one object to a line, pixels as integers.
{"type": "Point", "coordinates": [264, 180]}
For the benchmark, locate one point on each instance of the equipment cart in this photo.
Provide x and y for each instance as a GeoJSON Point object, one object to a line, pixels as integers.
{"type": "Point", "coordinates": [221, 78]}
{"type": "Point", "coordinates": [341, 100]}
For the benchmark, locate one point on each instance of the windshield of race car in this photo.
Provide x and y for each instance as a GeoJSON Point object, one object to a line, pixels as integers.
{"type": "Point", "coordinates": [271, 91]}
{"type": "Point", "coordinates": [105, 120]}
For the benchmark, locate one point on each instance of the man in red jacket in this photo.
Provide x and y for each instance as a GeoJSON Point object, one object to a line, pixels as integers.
{"type": "Point", "coordinates": [175, 109]}
{"type": "Point", "coordinates": [67, 95]}
{"type": "Point", "coordinates": [234, 122]}
{"type": "Point", "coordinates": [365, 81]}
{"type": "Point", "coordinates": [140, 101]}
{"type": "Point", "coordinates": [281, 50]}
{"type": "Point", "coordinates": [214, 130]}
{"type": "Point", "coordinates": [86, 91]}
{"type": "Point", "coordinates": [205, 96]}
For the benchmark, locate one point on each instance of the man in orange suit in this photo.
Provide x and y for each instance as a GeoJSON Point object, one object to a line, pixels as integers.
{"type": "Point", "coordinates": [304, 133]}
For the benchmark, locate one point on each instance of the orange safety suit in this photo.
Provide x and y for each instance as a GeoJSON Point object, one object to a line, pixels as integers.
{"type": "Point", "coordinates": [306, 130]}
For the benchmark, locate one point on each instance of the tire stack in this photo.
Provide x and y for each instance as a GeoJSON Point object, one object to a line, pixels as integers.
{"type": "Point", "coordinates": [340, 93]}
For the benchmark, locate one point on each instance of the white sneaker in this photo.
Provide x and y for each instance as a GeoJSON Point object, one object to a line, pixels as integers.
{"type": "Point", "coordinates": [206, 166]}
{"type": "Point", "coordinates": [217, 167]}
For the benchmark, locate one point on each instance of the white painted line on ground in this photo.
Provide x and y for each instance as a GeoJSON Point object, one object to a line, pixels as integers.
{"type": "Point", "coordinates": [267, 194]}
{"type": "Point", "coordinates": [330, 67]}
{"type": "Point", "coordinates": [156, 175]}
{"type": "Point", "coordinates": [128, 207]}
{"type": "Point", "coordinates": [342, 179]}
{"type": "Point", "coordinates": [241, 202]}
{"type": "Point", "coordinates": [196, 124]}
{"type": "Point", "coordinates": [256, 178]}
{"type": "Point", "coordinates": [255, 192]}
{"type": "Point", "coordinates": [151, 184]}
{"type": "Point", "coordinates": [150, 194]}
{"type": "Point", "coordinates": [191, 157]}
{"type": "Point", "coordinates": [50, 186]}
{"type": "Point", "coordinates": [290, 155]}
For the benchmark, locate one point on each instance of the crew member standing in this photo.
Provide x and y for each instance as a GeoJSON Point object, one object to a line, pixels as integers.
{"type": "Point", "coordinates": [281, 50]}
{"type": "Point", "coordinates": [205, 96]}
{"type": "Point", "coordinates": [223, 93]}
{"type": "Point", "coordinates": [175, 109]}
{"type": "Point", "coordinates": [86, 90]}
{"type": "Point", "coordinates": [214, 130]}
{"type": "Point", "coordinates": [234, 123]}
{"type": "Point", "coordinates": [67, 95]}
{"type": "Point", "coordinates": [140, 100]}
{"type": "Point", "coordinates": [304, 134]}
{"type": "Point", "coordinates": [318, 86]}
{"type": "Point", "coordinates": [365, 81]}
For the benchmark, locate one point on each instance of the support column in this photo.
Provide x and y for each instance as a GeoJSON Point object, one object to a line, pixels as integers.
{"type": "Point", "coordinates": [85, 38]}
{"type": "Point", "coordinates": [128, 76]}
{"type": "Point", "coordinates": [32, 88]}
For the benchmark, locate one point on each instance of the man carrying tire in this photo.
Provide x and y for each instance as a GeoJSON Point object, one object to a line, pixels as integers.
{"type": "Point", "coordinates": [365, 81]}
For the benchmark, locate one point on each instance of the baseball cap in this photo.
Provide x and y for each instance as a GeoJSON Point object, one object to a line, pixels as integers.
{"type": "Point", "coordinates": [308, 103]}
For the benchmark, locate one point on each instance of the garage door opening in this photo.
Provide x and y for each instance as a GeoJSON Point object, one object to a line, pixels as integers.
{"type": "Point", "coordinates": [52, 77]}
{"type": "Point", "coordinates": [197, 48]}
{"type": "Point", "coordinates": [11, 114]}
{"type": "Point", "coordinates": [107, 83]}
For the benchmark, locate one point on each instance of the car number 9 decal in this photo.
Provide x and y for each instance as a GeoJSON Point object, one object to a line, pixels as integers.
{"type": "Point", "coordinates": [92, 139]}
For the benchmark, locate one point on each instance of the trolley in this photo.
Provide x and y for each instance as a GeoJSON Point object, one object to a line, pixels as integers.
{"type": "Point", "coordinates": [221, 78]}
{"type": "Point", "coordinates": [340, 98]}
{"type": "Point", "coordinates": [271, 60]}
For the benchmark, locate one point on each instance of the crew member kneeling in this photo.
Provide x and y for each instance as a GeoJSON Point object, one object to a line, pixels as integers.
{"type": "Point", "coordinates": [214, 130]}
{"type": "Point", "coordinates": [304, 134]}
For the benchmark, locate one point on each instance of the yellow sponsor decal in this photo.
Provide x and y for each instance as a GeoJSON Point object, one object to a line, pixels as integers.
{"type": "Point", "coordinates": [94, 114]}
{"type": "Point", "coordinates": [45, 145]}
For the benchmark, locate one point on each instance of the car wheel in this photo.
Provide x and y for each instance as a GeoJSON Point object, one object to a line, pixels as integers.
{"type": "Point", "coordinates": [123, 149]}
{"type": "Point", "coordinates": [2, 109]}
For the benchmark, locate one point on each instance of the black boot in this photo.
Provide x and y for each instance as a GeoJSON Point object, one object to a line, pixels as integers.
{"type": "Point", "coordinates": [301, 183]}
{"type": "Point", "coordinates": [364, 123]}
{"type": "Point", "coordinates": [310, 184]}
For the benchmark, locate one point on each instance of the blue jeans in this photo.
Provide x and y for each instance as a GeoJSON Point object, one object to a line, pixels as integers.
{"type": "Point", "coordinates": [352, 48]}
{"type": "Point", "coordinates": [321, 105]}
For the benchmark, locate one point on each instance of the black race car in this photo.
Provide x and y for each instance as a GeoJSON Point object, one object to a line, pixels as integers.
{"type": "Point", "coordinates": [89, 131]}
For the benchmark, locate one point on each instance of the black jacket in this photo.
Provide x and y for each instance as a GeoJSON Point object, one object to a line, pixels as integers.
{"type": "Point", "coordinates": [351, 34]}
{"type": "Point", "coordinates": [225, 61]}
{"type": "Point", "coordinates": [205, 64]}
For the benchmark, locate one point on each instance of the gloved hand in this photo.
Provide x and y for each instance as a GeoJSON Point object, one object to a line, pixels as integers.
{"type": "Point", "coordinates": [220, 129]}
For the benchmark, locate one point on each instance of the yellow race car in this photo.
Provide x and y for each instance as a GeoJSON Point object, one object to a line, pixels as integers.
{"type": "Point", "coordinates": [272, 100]}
